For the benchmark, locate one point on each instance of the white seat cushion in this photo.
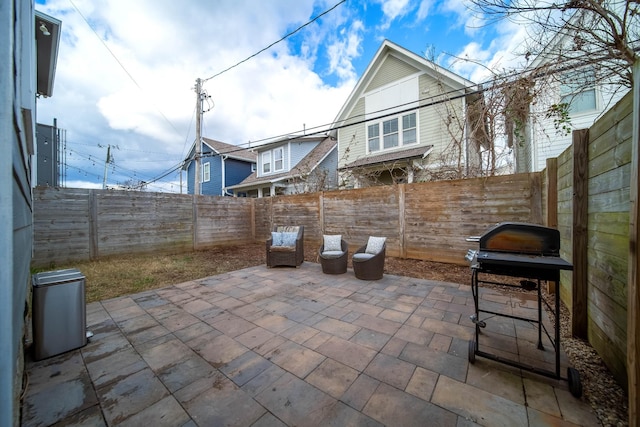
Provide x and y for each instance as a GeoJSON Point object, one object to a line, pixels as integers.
{"type": "Point", "coordinates": [332, 254]}
{"type": "Point", "coordinates": [362, 256]}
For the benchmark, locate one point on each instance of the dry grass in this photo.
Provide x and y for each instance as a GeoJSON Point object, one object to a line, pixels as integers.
{"type": "Point", "coordinates": [117, 276]}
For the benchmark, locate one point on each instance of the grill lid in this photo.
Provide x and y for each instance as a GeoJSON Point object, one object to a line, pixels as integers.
{"type": "Point", "coordinates": [521, 238]}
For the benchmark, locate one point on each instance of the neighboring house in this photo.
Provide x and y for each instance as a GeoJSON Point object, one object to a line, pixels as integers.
{"type": "Point", "coordinates": [406, 121]}
{"type": "Point", "coordinates": [48, 157]}
{"type": "Point", "coordinates": [223, 165]}
{"type": "Point", "coordinates": [577, 85]}
{"type": "Point", "coordinates": [292, 165]}
{"type": "Point", "coordinates": [29, 48]}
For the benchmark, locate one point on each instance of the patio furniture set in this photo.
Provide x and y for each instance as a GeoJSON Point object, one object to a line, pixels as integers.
{"type": "Point", "coordinates": [286, 248]}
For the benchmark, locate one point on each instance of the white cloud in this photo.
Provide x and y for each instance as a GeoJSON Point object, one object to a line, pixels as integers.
{"type": "Point", "coordinates": [465, 18]}
{"type": "Point", "coordinates": [424, 9]}
{"type": "Point", "coordinates": [125, 76]}
{"type": "Point", "coordinates": [393, 9]}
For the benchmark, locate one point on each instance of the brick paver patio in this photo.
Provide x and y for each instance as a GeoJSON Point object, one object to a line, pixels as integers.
{"type": "Point", "coordinates": [294, 347]}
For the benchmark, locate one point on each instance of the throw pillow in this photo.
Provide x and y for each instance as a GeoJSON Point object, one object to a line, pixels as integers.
{"type": "Point", "coordinates": [374, 245]}
{"type": "Point", "coordinates": [332, 242]}
{"type": "Point", "coordinates": [289, 239]}
{"type": "Point", "coordinates": [276, 238]}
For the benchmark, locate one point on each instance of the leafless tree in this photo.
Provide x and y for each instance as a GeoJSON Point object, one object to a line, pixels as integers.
{"type": "Point", "coordinates": [574, 33]}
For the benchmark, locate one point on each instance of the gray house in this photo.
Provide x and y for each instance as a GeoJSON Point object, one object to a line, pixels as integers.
{"type": "Point", "coordinates": [292, 165]}
{"type": "Point", "coordinates": [29, 43]}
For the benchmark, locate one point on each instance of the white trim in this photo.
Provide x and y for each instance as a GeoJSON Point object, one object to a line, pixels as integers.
{"type": "Point", "coordinates": [206, 172]}
{"type": "Point", "coordinates": [273, 157]}
{"type": "Point", "coordinates": [262, 162]}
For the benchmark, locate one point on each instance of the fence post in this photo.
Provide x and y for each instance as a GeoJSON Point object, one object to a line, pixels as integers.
{"type": "Point", "coordinates": [194, 204]}
{"type": "Point", "coordinates": [579, 315]}
{"type": "Point", "coordinates": [321, 211]}
{"type": "Point", "coordinates": [401, 215]}
{"type": "Point", "coordinates": [94, 250]}
{"type": "Point", "coordinates": [253, 219]}
{"type": "Point", "coordinates": [633, 295]}
{"type": "Point", "coordinates": [552, 192]}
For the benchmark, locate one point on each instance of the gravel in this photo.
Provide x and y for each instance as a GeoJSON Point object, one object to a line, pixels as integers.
{"type": "Point", "coordinates": [608, 400]}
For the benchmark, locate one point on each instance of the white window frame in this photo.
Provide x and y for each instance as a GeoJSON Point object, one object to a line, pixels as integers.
{"type": "Point", "coordinates": [206, 172]}
{"type": "Point", "coordinates": [574, 86]}
{"type": "Point", "coordinates": [382, 139]}
{"type": "Point", "coordinates": [276, 151]}
{"type": "Point", "coordinates": [373, 139]}
{"type": "Point", "coordinates": [266, 162]}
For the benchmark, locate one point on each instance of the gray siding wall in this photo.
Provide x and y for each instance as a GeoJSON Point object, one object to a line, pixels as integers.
{"type": "Point", "coordinates": [299, 150]}
{"type": "Point", "coordinates": [349, 149]}
{"type": "Point", "coordinates": [17, 118]}
{"type": "Point", "coordinates": [391, 70]}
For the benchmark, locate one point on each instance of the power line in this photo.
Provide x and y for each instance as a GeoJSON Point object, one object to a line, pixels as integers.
{"type": "Point", "coordinates": [490, 84]}
{"type": "Point", "coordinates": [276, 42]}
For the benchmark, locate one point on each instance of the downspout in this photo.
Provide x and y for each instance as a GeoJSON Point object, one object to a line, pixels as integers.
{"type": "Point", "coordinates": [224, 177]}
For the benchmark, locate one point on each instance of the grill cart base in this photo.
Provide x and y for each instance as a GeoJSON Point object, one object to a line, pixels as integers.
{"type": "Point", "coordinates": [482, 316]}
{"type": "Point", "coordinates": [528, 252]}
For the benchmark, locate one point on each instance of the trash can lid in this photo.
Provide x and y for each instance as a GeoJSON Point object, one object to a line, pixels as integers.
{"type": "Point", "coordinates": [59, 276]}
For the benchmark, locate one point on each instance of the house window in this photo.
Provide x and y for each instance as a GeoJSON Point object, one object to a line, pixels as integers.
{"type": "Point", "coordinates": [278, 159]}
{"type": "Point", "coordinates": [266, 162]}
{"type": "Point", "coordinates": [390, 133]}
{"type": "Point", "coordinates": [206, 172]}
{"type": "Point", "coordinates": [374, 137]}
{"type": "Point", "coordinates": [578, 90]}
{"type": "Point", "coordinates": [409, 135]}
{"type": "Point", "coordinates": [396, 132]}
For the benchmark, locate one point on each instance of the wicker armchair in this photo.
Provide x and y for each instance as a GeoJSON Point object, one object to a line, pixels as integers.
{"type": "Point", "coordinates": [334, 262]}
{"type": "Point", "coordinates": [368, 266]}
{"type": "Point", "coordinates": [285, 254]}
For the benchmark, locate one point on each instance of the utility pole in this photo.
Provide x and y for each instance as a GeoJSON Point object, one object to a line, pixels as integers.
{"type": "Point", "coordinates": [196, 179]}
{"type": "Point", "coordinates": [106, 162]}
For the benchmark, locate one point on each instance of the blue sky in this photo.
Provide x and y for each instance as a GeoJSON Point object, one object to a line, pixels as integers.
{"type": "Point", "coordinates": [126, 71]}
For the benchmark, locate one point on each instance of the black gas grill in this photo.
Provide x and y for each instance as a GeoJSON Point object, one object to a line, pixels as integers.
{"type": "Point", "coordinates": [532, 253]}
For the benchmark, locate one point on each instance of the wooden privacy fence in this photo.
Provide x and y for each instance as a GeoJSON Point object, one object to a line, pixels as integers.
{"type": "Point", "coordinates": [592, 178]}
{"type": "Point", "coordinates": [81, 224]}
{"type": "Point", "coordinates": [427, 221]}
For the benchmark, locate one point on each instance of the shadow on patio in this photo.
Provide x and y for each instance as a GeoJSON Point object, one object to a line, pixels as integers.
{"type": "Point", "coordinates": [284, 346]}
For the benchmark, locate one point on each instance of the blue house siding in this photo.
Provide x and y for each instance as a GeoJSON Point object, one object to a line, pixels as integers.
{"type": "Point", "coordinates": [214, 186]}
{"type": "Point", "coordinates": [330, 166]}
{"type": "Point", "coordinates": [299, 150]}
{"type": "Point", "coordinates": [235, 171]}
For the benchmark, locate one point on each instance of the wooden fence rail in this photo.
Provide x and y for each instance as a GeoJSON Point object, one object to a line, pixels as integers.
{"type": "Point", "coordinates": [427, 221]}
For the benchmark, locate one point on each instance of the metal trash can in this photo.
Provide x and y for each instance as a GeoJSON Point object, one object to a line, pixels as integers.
{"type": "Point", "coordinates": [59, 312]}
